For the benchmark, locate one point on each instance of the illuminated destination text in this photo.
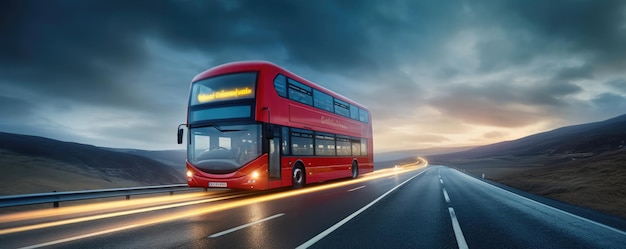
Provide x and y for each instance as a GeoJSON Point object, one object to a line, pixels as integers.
{"type": "Point", "coordinates": [224, 94]}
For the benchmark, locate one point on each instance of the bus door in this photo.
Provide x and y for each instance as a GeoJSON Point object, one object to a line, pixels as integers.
{"type": "Point", "coordinates": [274, 154]}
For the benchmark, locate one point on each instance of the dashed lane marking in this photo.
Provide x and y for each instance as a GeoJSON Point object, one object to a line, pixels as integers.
{"type": "Point", "coordinates": [357, 188]}
{"type": "Point", "coordinates": [460, 239]}
{"type": "Point", "coordinates": [215, 235]}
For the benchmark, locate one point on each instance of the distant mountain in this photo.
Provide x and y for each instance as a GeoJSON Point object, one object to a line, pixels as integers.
{"type": "Point", "coordinates": [64, 162]}
{"type": "Point", "coordinates": [583, 140]}
{"type": "Point", "coordinates": [173, 158]}
{"type": "Point", "coordinates": [584, 165]}
{"type": "Point", "coordinates": [394, 155]}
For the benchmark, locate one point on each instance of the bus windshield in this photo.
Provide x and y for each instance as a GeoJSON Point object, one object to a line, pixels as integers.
{"type": "Point", "coordinates": [224, 149]}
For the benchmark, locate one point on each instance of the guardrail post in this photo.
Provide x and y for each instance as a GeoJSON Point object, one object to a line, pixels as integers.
{"type": "Point", "coordinates": [56, 203]}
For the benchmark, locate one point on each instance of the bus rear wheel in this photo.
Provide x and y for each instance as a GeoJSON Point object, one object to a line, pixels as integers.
{"type": "Point", "coordinates": [298, 177]}
{"type": "Point", "coordinates": [355, 169]}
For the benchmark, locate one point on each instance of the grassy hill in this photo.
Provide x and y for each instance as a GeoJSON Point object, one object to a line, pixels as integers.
{"type": "Point", "coordinates": [582, 164]}
{"type": "Point", "coordinates": [30, 164]}
{"type": "Point", "coordinates": [173, 158]}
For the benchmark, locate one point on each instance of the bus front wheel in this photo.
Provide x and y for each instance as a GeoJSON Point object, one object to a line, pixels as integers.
{"type": "Point", "coordinates": [298, 177]}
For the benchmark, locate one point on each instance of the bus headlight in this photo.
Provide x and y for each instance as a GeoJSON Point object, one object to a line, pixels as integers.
{"type": "Point", "coordinates": [255, 175]}
{"type": "Point", "coordinates": [189, 173]}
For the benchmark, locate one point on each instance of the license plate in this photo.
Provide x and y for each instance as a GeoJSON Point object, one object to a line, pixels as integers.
{"type": "Point", "coordinates": [217, 184]}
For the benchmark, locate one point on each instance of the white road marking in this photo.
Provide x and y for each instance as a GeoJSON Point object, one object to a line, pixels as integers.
{"type": "Point", "coordinates": [215, 235]}
{"type": "Point", "coordinates": [548, 206]}
{"type": "Point", "coordinates": [357, 188]}
{"type": "Point", "coordinates": [79, 237]}
{"type": "Point", "coordinates": [326, 232]}
{"type": "Point", "coordinates": [458, 233]}
{"type": "Point", "coordinates": [460, 239]}
{"type": "Point", "coordinates": [445, 195]}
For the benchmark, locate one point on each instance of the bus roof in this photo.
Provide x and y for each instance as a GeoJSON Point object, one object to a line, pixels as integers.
{"type": "Point", "coordinates": [240, 66]}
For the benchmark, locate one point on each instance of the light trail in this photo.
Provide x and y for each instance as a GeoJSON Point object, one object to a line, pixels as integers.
{"type": "Point", "coordinates": [110, 215]}
{"type": "Point", "coordinates": [95, 207]}
{"type": "Point", "coordinates": [214, 208]}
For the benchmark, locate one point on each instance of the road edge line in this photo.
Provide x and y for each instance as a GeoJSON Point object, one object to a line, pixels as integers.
{"type": "Point", "coordinates": [551, 207]}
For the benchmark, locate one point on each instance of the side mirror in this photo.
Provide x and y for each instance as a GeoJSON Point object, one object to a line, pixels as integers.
{"type": "Point", "coordinates": [180, 134]}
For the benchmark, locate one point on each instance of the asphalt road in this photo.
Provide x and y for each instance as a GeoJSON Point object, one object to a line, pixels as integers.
{"type": "Point", "coordinates": [433, 207]}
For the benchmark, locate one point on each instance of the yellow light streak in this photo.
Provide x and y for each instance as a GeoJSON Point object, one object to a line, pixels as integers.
{"type": "Point", "coordinates": [98, 207]}
{"type": "Point", "coordinates": [114, 214]}
{"type": "Point", "coordinates": [217, 207]}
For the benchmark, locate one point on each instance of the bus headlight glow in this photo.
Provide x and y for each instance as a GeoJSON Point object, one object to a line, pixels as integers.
{"type": "Point", "coordinates": [189, 173]}
{"type": "Point", "coordinates": [255, 175]}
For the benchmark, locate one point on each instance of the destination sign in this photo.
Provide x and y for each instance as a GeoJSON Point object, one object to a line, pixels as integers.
{"type": "Point", "coordinates": [225, 95]}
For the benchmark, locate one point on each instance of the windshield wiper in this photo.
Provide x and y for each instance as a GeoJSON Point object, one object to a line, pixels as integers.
{"type": "Point", "coordinates": [217, 127]}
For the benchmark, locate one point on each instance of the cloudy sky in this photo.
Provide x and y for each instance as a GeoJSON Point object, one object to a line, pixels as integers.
{"type": "Point", "coordinates": [433, 73]}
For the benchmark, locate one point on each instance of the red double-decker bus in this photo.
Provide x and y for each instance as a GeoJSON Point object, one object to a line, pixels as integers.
{"type": "Point", "coordinates": [254, 125]}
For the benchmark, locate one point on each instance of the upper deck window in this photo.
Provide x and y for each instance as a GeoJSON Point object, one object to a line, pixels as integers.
{"type": "Point", "coordinates": [280, 85]}
{"type": "Point", "coordinates": [297, 91]}
{"type": "Point", "coordinates": [354, 112]}
{"type": "Point", "coordinates": [224, 87]}
{"type": "Point", "coordinates": [300, 92]}
{"type": "Point", "coordinates": [364, 116]}
{"type": "Point", "coordinates": [322, 100]}
{"type": "Point", "coordinates": [342, 108]}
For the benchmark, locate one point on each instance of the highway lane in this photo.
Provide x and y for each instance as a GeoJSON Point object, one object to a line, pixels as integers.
{"type": "Point", "coordinates": [420, 216]}
{"type": "Point", "coordinates": [393, 210]}
{"type": "Point", "coordinates": [414, 216]}
{"type": "Point", "coordinates": [493, 217]}
{"type": "Point", "coordinates": [192, 222]}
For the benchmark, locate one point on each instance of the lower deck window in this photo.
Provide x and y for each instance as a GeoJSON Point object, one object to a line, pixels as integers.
{"type": "Point", "coordinates": [301, 142]}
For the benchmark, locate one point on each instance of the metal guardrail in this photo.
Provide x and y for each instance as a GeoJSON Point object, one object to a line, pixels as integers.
{"type": "Point", "coordinates": [57, 197]}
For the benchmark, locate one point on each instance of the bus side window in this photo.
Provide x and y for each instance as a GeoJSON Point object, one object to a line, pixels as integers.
{"type": "Point", "coordinates": [363, 147]}
{"type": "Point", "coordinates": [280, 85]}
{"type": "Point", "coordinates": [356, 147]}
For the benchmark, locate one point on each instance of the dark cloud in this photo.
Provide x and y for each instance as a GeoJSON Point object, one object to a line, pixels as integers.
{"type": "Point", "coordinates": [610, 101]}
{"type": "Point", "coordinates": [618, 84]}
{"type": "Point", "coordinates": [500, 52]}
{"type": "Point", "coordinates": [500, 104]}
{"type": "Point", "coordinates": [78, 49]}
{"type": "Point", "coordinates": [67, 49]}
{"type": "Point", "coordinates": [520, 32]}
{"type": "Point", "coordinates": [575, 73]}
{"type": "Point", "coordinates": [548, 93]}
{"type": "Point", "coordinates": [15, 110]}
{"type": "Point", "coordinates": [522, 63]}
{"type": "Point", "coordinates": [591, 28]}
